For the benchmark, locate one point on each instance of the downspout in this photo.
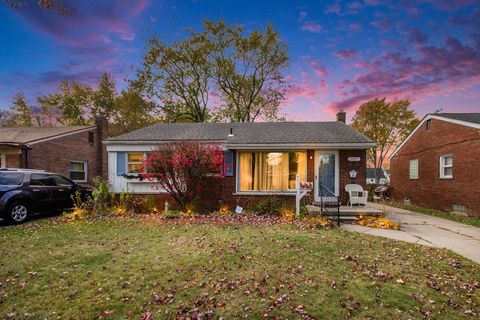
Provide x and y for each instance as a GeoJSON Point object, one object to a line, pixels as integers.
{"type": "Point", "coordinates": [25, 158]}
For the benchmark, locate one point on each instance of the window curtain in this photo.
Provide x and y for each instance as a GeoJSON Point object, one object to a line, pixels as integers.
{"type": "Point", "coordinates": [271, 171]}
{"type": "Point", "coordinates": [301, 165]}
{"type": "Point", "coordinates": [246, 171]}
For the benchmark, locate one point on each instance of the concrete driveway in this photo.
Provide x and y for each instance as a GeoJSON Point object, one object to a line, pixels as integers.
{"type": "Point", "coordinates": [428, 230]}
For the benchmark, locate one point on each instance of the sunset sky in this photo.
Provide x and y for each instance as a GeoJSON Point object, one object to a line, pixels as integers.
{"type": "Point", "coordinates": [342, 52]}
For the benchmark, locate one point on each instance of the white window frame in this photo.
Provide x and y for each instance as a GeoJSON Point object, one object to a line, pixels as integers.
{"type": "Point", "coordinates": [3, 160]}
{"type": "Point", "coordinates": [410, 169]}
{"type": "Point", "coordinates": [85, 167]}
{"type": "Point", "coordinates": [443, 166]}
{"type": "Point", "coordinates": [144, 155]}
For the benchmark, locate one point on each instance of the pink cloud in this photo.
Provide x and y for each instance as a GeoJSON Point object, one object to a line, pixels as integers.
{"type": "Point", "coordinates": [450, 5]}
{"type": "Point", "coordinates": [356, 27]}
{"type": "Point", "coordinates": [431, 71]}
{"type": "Point", "coordinates": [346, 54]}
{"type": "Point", "coordinates": [383, 24]}
{"type": "Point", "coordinates": [416, 36]}
{"type": "Point", "coordinates": [302, 15]}
{"type": "Point", "coordinates": [308, 89]}
{"type": "Point", "coordinates": [92, 38]}
{"type": "Point", "coordinates": [334, 8]}
{"type": "Point", "coordinates": [311, 27]}
{"type": "Point", "coordinates": [86, 21]}
{"type": "Point", "coordinates": [317, 66]}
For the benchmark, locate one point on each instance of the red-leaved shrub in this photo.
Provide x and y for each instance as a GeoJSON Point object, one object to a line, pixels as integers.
{"type": "Point", "coordinates": [180, 167]}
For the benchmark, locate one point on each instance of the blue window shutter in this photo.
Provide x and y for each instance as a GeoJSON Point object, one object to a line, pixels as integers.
{"type": "Point", "coordinates": [121, 163]}
{"type": "Point", "coordinates": [228, 163]}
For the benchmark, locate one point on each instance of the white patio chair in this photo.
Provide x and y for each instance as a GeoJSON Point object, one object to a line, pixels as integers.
{"type": "Point", "coordinates": [356, 194]}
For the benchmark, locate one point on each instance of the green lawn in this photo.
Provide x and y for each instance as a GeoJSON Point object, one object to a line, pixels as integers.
{"type": "Point", "coordinates": [441, 214]}
{"type": "Point", "coordinates": [149, 269]}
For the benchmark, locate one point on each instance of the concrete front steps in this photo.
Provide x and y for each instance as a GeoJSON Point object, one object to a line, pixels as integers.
{"type": "Point", "coordinates": [347, 214]}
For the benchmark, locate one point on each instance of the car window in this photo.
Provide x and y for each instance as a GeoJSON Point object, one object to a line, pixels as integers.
{"type": "Point", "coordinates": [62, 182]}
{"type": "Point", "coordinates": [41, 179]}
{"type": "Point", "coordinates": [11, 178]}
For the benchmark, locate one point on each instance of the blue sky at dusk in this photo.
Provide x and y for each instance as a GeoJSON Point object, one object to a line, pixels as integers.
{"type": "Point", "coordinates": [342, 52]}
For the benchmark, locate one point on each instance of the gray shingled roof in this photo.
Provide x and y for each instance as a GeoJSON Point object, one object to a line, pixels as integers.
{"type": "Point", "coordinates": [247, 133]}
{"type": "Point", "coordinates": [467, 117]}
{"type": "Point", "coordinates": [32, 134]}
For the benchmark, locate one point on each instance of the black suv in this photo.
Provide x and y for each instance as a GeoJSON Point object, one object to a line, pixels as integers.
{"type": "Point", "coordinates": [24, 192]}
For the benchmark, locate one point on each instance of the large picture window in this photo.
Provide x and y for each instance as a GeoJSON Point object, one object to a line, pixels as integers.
{"type": "Point", "coordinates": [271, 171]}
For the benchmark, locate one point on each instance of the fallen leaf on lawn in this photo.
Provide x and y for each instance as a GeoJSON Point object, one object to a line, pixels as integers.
{"type": "Point", "coordinates": [22, 284]}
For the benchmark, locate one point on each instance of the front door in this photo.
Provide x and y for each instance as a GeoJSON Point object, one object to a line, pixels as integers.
{"type": "Point", "coordinates": [326, 172]}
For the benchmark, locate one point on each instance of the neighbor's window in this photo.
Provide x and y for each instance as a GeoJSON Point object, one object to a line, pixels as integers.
{"type": "Point", "coordinates": [90, 137]}
{"type": "Point", "coordinates": [135, 162]}
{"type": "Point", "coordinates": [413, 169]}
{"type": "Point", "coordinates": [428, 124]}
{"type": "Point", "coordinates": [78, 171]}
{"type": "Point", "coordinates": [459, 208]}
{"type": "Point", "coordinates": [271, 171]}
{"type": "Point", "coordinates": [446, 167]}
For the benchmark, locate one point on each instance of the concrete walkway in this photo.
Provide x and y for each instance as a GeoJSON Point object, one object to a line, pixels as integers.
{"type": "Point", "coordinates": [427, 230]}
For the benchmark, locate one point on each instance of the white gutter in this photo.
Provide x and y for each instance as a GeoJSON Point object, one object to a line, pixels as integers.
{"type": "Point", "coordinates": [117, 145]}
{"type": "Point", "coordinates": [299, 146]}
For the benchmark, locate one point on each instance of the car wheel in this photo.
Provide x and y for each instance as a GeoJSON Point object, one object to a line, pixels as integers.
{"type": "Point", "coordinates": [18, 213]}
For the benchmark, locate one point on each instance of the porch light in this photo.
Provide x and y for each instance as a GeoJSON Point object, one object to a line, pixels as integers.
{"type": "Point", "coordinates": [353, 173]}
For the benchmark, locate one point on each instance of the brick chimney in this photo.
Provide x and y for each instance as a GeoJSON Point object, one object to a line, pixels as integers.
{"type": "Point", "coordinates": [102, 134]}
{"type": "Point", "coordinates": [342, 116]}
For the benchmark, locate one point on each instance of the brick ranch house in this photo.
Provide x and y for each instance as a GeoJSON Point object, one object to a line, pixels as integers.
{"type": "Point", "coordinates": [264, 159]}
{"type": "Point", "coordinates": [76, 152]}
{"type": "Point", "coordinates": [438, 164]}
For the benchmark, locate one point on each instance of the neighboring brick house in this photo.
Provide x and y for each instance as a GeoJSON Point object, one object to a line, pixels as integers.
{"type": "Point", "coordinates": [264, 158]}
{"type": "Point", "coordinates": [76, 152]}
{"type": "Point", "coordinates": [438, 164]}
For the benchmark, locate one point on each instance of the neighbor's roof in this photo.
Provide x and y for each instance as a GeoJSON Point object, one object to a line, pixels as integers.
{"type": "Point", "coordinates": [29, 135]}
{"type": "Point", "coordinates": [248, 134]}
{"type": "Point", "coordinates": [466, 119]}
{"type": "Point", "coordinates": [371, 173]}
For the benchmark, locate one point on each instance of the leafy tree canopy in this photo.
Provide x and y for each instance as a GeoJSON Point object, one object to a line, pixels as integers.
{"type": "Point", "coordinates": [218, 74]}
{"type": "Point", "coordinates": [387, 124]}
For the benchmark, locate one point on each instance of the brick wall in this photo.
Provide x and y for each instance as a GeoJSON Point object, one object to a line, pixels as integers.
{"type": "Point", "coordinates": [429, 190]}
{"type": "Point", "coordinates": [346, 166]}
{"type": "Point", "coordinates": [13, 160]}
{"type": "Point", "coordinates": [55, 154]}
{"type": "Point", "coordinates": [218, 191]}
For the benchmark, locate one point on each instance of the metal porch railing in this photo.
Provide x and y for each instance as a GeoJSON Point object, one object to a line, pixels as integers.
{"type": "Point", "coordinates": [329, 203]}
